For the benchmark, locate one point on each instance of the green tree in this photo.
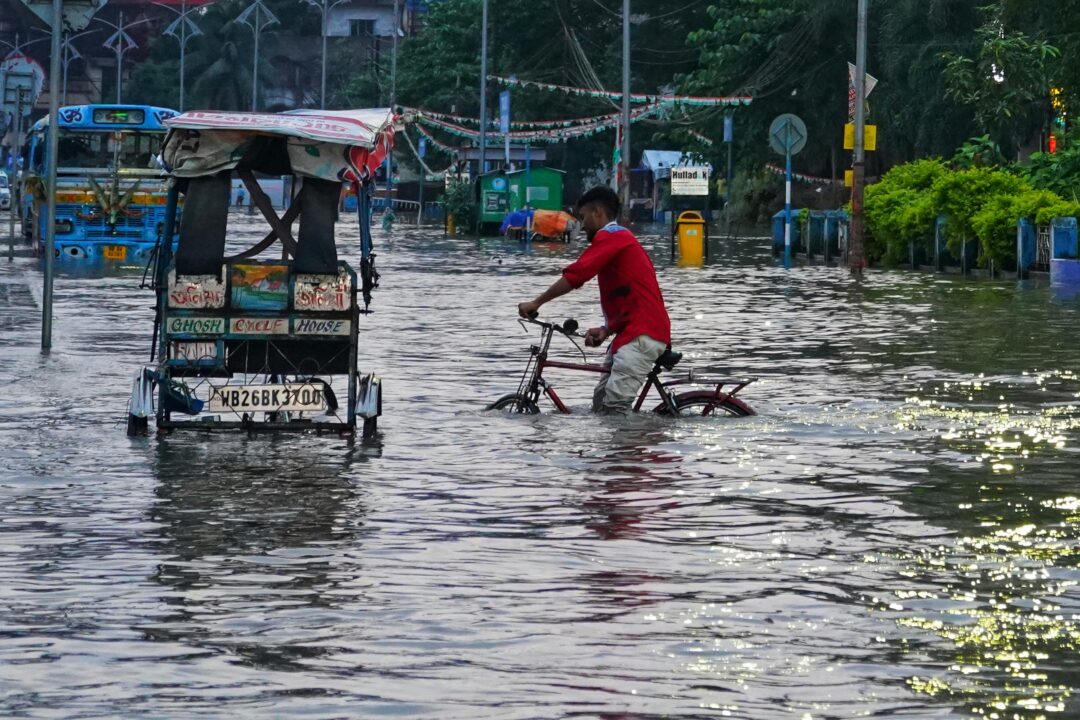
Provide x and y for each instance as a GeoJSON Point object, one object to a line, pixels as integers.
{"type": "Point", "coordinates": [1006, 81]}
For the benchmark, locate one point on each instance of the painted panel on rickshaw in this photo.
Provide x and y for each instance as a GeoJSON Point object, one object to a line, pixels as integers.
{"type": "Point", "coordinates": [323, 293]}
{"type": "Point", "coordinates": [259, 287]}
{"type": "Point", "coordinates": [196, 292]}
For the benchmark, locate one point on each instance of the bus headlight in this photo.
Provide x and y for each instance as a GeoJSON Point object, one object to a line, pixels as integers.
{"type": "Point", "coordinates": [64, 226]}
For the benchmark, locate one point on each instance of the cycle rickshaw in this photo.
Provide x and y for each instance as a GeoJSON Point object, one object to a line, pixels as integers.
{"type": "Point", "coordinates": [245, 341]}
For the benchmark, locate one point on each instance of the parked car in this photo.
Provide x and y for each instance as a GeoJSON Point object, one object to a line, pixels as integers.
{"type": "Point", "coordinates": [5, 191]}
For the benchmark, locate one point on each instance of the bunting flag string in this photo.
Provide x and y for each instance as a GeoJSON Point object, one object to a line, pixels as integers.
{"type": "Point", "coordinates": [690, 100]}
{"type": "Point", "coordinates": [708, 142]}
{"type": "Point", "coordinates": [439, 145]}
{"type": "Point", "coordinates": [519, 125]}
{"type": "Point", "coordinates": [808, 179]}
{"type": "Point", "coordinates": [541, 136]}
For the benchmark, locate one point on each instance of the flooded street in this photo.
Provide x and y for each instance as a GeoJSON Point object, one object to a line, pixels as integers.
{"type": "Point", "coordinates": [897, 534]}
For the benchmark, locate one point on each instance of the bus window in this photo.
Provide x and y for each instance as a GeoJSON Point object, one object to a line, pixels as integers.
{"type": "Point", "coordinates": [98, 149]}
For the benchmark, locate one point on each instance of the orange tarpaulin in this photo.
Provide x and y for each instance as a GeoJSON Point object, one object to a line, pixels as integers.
{"type": "Point", "coordinates": [551, 223]}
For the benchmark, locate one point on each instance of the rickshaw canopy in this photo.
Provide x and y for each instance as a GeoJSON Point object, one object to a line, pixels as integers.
{"type": "Point", "coordinates": [335, 145]}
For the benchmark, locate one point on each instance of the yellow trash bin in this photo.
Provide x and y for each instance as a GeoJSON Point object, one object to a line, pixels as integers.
{"type": "Point", "coordinates": [692, 236]}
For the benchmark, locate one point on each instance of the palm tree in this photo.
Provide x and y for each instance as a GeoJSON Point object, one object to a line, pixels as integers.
{"type": "Point", "coordinates": [221, 59]}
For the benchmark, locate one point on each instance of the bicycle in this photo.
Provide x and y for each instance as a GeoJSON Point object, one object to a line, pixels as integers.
{"type": "Point", "coordinates": [699, 401]}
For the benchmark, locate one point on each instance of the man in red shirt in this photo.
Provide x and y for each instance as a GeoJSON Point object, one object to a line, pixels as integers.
{"type": "Point", "coordinates": [634, 311]}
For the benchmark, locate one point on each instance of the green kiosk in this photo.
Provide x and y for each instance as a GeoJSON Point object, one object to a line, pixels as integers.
{"type": "Point", "coordinates": [541, 188]}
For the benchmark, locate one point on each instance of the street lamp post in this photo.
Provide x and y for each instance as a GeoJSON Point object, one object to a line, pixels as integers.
{"type": "Point", "coordinates": [324, 7]}
{"type": "Point", "coordinates": [120, 42]}
{"type": "Point", "coordinates": [183, 28]}
{"type": "Point", "coordinates": [263, 19]}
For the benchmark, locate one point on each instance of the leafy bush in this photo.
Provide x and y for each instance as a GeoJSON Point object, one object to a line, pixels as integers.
{"type": "Point", "coordinates": [960, 195]}
{"type": "Point", "coordinates": [900, 209]}
{"type": "Point", "coordinates": [459, 202]}
{"type": "Point", "coordinates": [979, 203]}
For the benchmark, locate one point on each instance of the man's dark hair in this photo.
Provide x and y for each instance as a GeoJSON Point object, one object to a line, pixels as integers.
{"type": "Point", "coordinates": [603, 196]}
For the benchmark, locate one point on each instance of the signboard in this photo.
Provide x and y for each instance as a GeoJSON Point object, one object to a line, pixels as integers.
{"type": "Point", "coordinates": [849, 178]}
{"type": "Point", "coordinates": [690, 180]}
{"type": "Point", "coordinates": [787, 134]}
{"type": "Point", "coordinates": [729, 129]}
{"type": "Point", "coordinates": [871, 83]}
{"type": "Point", "coordinates": [869, 139]}
{"type": "Point", "coordinates": [77, 13]}
{"type": "Point", "coordinates": [21, 72]}
{"type": "Point", "coordinates": [323, 293]}
{"type": "Point", "coordinates": [259, 326]}
{"type": "Point", "coordinates": [320, 326]}
{"type": "Point", "coordinates": [422, 149]}
{"type": "Point", "coordinates": [195, 326]}
{"type": "Point", "coordinates": [504, 112]}
{"type": "Point", "coordinates": [193, 352]}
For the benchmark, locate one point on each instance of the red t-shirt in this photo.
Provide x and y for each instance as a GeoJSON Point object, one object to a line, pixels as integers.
{"type": "Point", "coordinates": [629, 294]}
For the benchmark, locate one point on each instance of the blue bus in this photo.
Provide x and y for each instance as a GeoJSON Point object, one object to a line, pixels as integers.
{"type": "Point", "coordinates": [110, 189]}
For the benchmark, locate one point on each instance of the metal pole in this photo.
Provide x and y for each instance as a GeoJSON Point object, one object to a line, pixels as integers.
{"type": "Point", "coordinates": [255, 66]}
{"type": "Point", "coordinates": [787, 198]}
{"type": "Point", "coordinates": [730, 179]}
{"type": "Point", "coordinates": [50, 185]}
{"type": "Point", "coordinates": [322, 78]}
{"type": "Point", "coordinates": [393, 102]}
{"type": "Point", "coordinates": [858, 247]}
{"type": "Point", "coordinates": [11, 180]}
{"type": "Point", "coordinates": [393, 59]}
{"type": "Point", "coordinates": [119, 56]}
{"type": "Point", "coordinates": [66, 53]}
{"type": "Point", "coordinates": [17, 149]}
{"type": "Point", "coordinates": [183, 44]}
{"type": "Point", "coordinates": [483, 87]}
{"type": "Point", "coordinates": [624, 189]}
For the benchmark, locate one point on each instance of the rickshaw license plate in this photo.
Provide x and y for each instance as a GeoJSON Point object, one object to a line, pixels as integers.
{"type": "Point", "coordinates": [115, 252]}
{"type": "Point", "coordinates": [267, 398]}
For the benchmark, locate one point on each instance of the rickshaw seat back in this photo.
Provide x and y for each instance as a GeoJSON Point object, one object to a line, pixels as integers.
{"type": "Point", "coordinates": [316, 248]}
{"type": "Point", "coordinates": [203, 224]}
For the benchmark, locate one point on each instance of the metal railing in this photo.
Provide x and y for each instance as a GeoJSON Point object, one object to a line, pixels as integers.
{"type": "Point", "coordinates": [1043, 249]}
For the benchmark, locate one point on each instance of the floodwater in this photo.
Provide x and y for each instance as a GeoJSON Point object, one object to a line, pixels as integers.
{"type": "Point", "coordinates": [897, 534]}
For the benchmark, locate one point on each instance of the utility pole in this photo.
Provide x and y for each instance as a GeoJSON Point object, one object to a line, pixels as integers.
{"type": "Point", "coordinates": [857, 254]}
{"type": "Point", "coordinates": [483, 87]}
{"type": "Point", "coordinates": [393, 103]}
{"type": "Point", "coordinates": [624, 159]}
{"type": "Point", "coordinates": [50, 185]}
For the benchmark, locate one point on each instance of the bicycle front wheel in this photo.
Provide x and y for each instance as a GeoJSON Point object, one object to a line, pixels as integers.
{"type": "Point", "coordinates": [514, 405]}
{"type": "Point", "coordinates": [702, 403]}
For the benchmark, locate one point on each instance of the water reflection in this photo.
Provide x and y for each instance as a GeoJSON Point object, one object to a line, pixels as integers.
{"type": "Point", "coordinates": [280, 532]}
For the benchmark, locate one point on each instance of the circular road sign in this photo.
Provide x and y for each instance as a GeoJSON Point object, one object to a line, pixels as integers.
{"type": "Point", "coordinates": [787, 134]}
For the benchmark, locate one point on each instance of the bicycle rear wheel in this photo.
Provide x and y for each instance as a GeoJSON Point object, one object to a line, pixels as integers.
{"type": "Point", "coordinates": [703, 403]}
{"type": "Point", "coordinates": [514, 405]}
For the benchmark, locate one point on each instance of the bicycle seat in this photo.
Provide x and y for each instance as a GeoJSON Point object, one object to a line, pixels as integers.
{"type": "Point", "coordinates": [669, 359]}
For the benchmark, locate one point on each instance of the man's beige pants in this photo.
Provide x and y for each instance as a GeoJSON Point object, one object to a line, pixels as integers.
{"type": "Point", "coordinates": [617, 390]}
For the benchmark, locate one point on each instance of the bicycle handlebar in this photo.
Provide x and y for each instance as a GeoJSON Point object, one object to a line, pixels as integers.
{"type": "Point", "coordinates": [569, 326]}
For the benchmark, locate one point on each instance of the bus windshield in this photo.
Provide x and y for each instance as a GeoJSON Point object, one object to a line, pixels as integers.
{"type": "Point", "coordinates": [116, 150]}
